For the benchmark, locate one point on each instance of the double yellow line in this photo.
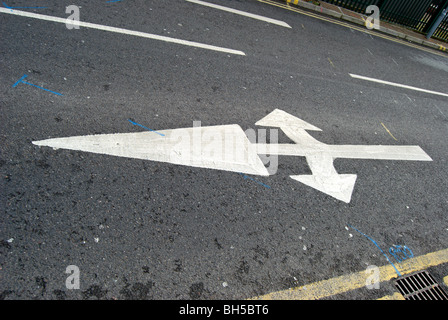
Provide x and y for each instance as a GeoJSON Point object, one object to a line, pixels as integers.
{"type": "Point", "coordinates": [345, 283]}
{"type": "Point", "coordinates": [347, 25]}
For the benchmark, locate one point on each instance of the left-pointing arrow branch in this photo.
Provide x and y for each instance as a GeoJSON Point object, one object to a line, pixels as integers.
{"type": "Point", "coordinates": [216, 147]}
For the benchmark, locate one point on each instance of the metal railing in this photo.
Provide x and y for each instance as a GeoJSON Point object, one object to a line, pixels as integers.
{"type": "Point", "coordinates": [414, 14]}
{"type": "Point", "coordinates": [418, 15]}
{"type": "Point", "coordinates": [442, 31]}
{"type": "Point", "coordinates": [354, 5]}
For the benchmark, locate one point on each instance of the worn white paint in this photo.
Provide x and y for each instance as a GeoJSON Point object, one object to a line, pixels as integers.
{"type": "Point", "coordinates": [325, 178]}
{"type": "Point", "coordinates": [320, 156]}
{"type": "Point", "coordinates": [241, 13]}
{"type": "Point", "coordinates": [119, 30]}
{"type": "Point", "coordinates": [398, 85]}
{"type": "Point", "coordinates": [228, 148]}
{"type": "Point", "coordinates": [218, 147]}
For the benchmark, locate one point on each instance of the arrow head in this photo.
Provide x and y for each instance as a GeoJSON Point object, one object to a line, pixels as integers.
{"type": "Point", "coordinates": [216, 147]}
{"type": "Point", "coordinates": [279, 118]}
{"type": "Point", "coordinates": [339, 186]}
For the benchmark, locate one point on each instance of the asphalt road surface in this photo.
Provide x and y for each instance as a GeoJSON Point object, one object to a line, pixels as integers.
{"type": "Point", "coordinates": [141, 229]}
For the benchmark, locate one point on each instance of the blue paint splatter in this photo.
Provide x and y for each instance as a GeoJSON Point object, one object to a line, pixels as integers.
{"type": "Point", "coordinates": [137, 124]}
{"type": "Point", "coordinates": [19, 81]}
{"type": "Point", "coordinates": [8, 7]}
{"type": "Point", "coordinates": [247, 177]}
{"type": "Point", "coordinates": [30, 84]}
{"type": "Point", "coordinates": [400, 253]}
{"type": "Point", "coordinates": [374, 242]}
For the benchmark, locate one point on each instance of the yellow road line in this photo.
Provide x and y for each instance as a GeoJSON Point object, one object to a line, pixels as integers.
{"type": "Point", "coordinates": [345, 283]}
{"type": "Point", "coordinates": [389, 131]}
{"type": "Point", "coordinates": [287, 7]}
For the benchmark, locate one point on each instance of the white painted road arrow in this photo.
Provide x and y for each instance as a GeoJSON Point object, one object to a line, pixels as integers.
{"type": "Point", "coordinates": [228, 148]}
{"type": "Point", "coordinates": [218, 147]}
{"type": "Point", "coordinates": [326, 179]}
{"type": "Point", "coordinates": [320, 156]}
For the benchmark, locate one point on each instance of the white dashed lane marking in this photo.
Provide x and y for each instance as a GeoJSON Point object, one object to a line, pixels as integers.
{"type": "Point", "coordinates": [119, 30]}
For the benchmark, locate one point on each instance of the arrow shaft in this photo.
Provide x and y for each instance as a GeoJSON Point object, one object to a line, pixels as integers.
{"type": "Point", "coordinates": [346, 151]}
